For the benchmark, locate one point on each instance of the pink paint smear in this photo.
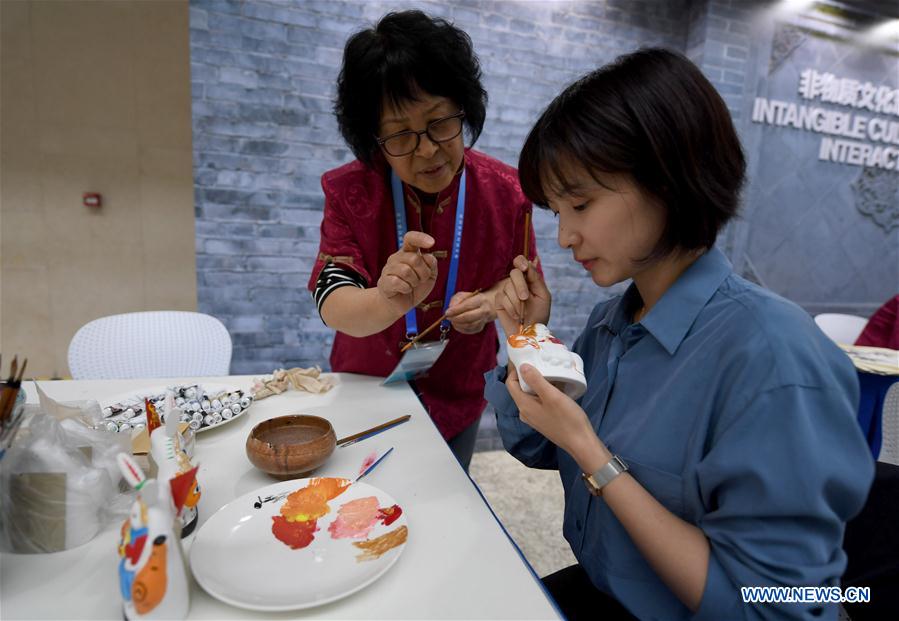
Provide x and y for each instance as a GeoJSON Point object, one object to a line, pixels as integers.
{"type": "Point", "coordinates": [355, 519]}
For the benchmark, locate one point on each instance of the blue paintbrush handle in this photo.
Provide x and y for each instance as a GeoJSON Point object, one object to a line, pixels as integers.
{"type": "Point", "coordinates": [374, 432]}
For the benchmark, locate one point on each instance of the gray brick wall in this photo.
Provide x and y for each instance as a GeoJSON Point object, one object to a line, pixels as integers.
{"type": "Point", "coordinates": [719, 41]}
{"type": "Point", "coordinates": [726, 49]}
{"type": "Point", "coordinates": [263, 76]}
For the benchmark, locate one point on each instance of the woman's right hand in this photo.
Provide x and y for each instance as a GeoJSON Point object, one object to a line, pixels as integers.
{"type": "Point", "coordinates": [525, 288]}
{"type": "Point", "coordinates": [409, 276]}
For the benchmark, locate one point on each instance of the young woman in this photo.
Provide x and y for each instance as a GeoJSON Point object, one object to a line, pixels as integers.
{"type": "Point", "coordinates": [418, 221]}
{"type": "Point", "coordinates": [716, 446]}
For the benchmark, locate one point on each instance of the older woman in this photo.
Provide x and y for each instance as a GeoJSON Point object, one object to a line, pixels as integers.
{"type": "Point", "coordinates": [418, 222]}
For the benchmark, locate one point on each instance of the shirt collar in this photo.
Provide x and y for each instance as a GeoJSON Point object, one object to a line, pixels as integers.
{"type": "Point", "coordinates": [621, 310]}
{"type": "Point", "coordinates": [674, 314]}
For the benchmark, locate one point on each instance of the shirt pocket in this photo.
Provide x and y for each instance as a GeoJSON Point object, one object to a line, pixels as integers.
{"type": "Point", "coordinates": [624, 559]}
{"type": "Point", "coordinates": [666, 487]}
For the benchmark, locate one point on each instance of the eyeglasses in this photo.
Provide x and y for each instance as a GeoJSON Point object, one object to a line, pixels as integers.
{"type": "Point", "coordinates": [441, 130]}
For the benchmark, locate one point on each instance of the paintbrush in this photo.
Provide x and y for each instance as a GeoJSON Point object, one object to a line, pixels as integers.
{"type": "Point", "coordinates": [372, 467]}
{"type": "Point", "coordinates": [12, 370]}
{"type": "Point", "coordinates": [434, 325]}
{"type": "Point", "coordinates": [363, 435]}
{"type": "Point", "coordinates": [527, 232]}
{"type": "Point", "coordinates": [14, 386]}
{"type": "Point", "coordinates": [10, 426]}
{"type": "Point", "coordinates": [10, 389]}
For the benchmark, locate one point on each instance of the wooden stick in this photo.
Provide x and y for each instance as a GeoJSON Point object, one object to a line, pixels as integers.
{"type": "Point", "coordinates": [21, 372]}
{"type": "Point", "coordinates": [12, 370]}
{"type": "Point", "coordinates": [382, 427]}
{"type": "Point", "coordinates": [434, 325]}
{"type": "Point", "coordinates": [527, 234]}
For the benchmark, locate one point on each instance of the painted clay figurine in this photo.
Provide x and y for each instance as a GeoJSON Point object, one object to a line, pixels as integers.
{"type": "Point", "coordinates": [536, 346]}
{"type": "Point", "coordinates": [170, 460]}
{"type": "Point", "coordinates": [153, 578]}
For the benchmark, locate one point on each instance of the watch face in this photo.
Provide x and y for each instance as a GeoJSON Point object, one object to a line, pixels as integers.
{"type": "Point", "coordinates": [591, 485]}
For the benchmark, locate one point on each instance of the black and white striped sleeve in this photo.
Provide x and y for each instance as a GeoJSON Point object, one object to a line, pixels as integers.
{"type": "Point", "coordinates": [333, 277]}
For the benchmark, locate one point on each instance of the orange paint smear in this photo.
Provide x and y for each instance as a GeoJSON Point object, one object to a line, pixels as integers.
{"type": "Point", "coordinates": [355, 519]}
{"type": "Point", "coordinates": [153, 421]}
{"type": "Point", "coordinates": [296, 526]}
{"type": "Point", "coordinates": [389, 515]}
{"type": "Point", "coordinates": [372, 549]}
{"type": "Point", "coordinates": [149, 586]}
{"type": "Point", "coordinates": [526, 337]}
{"type": "Point", "coordinates": [295, 535]}
{"type": "Point", "coordinates": [311, 502]}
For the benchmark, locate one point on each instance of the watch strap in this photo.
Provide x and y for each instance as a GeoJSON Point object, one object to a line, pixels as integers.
{"type": "Point", "coordinates": [605, 475]}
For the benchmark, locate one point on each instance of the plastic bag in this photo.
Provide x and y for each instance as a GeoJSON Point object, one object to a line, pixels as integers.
{"type": "Point", "coordinates": [59, 484]}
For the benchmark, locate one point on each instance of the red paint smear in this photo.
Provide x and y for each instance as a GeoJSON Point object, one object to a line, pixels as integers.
{"type": "Point", "coordinates": [295, 535]}
{"type": "Point", "coordinates": [182, 485]}
{"type": "Point", "coordinates": [138, 476]}
{"type": "Point", "coordinates": [133, 549]}
{"type": "Point", "coordinates": [389, 515]}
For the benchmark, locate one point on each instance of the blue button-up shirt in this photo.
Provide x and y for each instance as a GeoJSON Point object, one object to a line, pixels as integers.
{"type": "Point", "coordinates": [737, 414]}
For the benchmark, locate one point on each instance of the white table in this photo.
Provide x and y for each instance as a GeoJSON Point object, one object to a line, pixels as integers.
{"type": "Point", "coordinates": [458, 564]}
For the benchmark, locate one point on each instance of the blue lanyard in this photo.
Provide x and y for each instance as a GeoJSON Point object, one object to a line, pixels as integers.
{"type": "Point", "coordinates": [399, 209]}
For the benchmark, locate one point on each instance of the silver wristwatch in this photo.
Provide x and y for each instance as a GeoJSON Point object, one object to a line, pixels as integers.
{"type": "Point", "coordinates": [605, 475]}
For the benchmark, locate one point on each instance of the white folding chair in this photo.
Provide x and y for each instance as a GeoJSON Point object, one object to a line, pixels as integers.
{"type": "Point", "coordinates": [841, 328]}
{"type": "Point", "coordinates": [889, 448]}
{"type": "Point", "coordinates": [150, 344]}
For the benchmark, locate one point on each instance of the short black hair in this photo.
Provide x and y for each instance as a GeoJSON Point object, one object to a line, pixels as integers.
{"type": "Point", "coordinates": [651, 114]}
{"type": "Point", "coordinates": [403, 55]}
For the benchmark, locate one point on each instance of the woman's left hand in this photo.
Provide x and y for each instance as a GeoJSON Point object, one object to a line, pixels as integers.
{"type": "Point", "coordinates": [556, 416]}
{"type": "Point", "coordinates": [470, 313]}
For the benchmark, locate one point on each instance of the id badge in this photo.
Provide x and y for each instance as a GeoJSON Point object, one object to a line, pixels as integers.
{"type": "Point", "coordinates": [416, 361]}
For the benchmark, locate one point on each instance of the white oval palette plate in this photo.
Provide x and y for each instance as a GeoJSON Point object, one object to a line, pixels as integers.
{"type": "Point", "coordinates": [260, 553]}
{"type": "Point", "coordinates": [137, 396]}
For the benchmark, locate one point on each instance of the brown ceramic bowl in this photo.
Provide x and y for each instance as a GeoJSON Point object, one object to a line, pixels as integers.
{"type": "Point", "coordinates": [288, 446]}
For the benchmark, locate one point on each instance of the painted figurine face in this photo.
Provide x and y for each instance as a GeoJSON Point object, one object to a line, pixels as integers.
{"type": "Point", "coordinates": [608, 229]}
{"type": "Point", "coordinates": [539, 337]}
{"type": "Point", "coordinates": [432, 166]}
{"type": "Point", "coordinates": [536, 346]}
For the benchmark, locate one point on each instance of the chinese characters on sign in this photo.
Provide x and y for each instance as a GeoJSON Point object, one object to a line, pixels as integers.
{"type": "Point", "coordinates": [854, 138]}
{"type": "Point", "coordinates": [848, 92]}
